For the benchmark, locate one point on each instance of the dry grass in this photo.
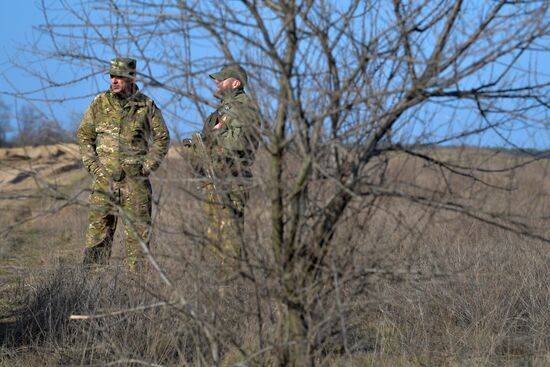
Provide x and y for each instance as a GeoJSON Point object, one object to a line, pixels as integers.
{"type": "Point", "coordinates": [421, 287]}
{"type": "Point", "coordinates": [44, 329]}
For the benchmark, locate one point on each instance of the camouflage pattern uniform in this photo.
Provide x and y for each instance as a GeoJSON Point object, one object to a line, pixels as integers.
{"type": "Point", "coordinates": [230, 136]}
{"type": "Point", "coordinates": [122, 140]}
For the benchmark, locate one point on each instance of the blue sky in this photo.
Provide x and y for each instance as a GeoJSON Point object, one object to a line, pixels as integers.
{"type": "Point", "coordinates": [18, 22]}
{"type": "Point", "coordinates": [17, 19]}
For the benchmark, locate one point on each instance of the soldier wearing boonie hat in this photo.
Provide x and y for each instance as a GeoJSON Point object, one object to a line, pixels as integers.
{"type": "Point", "coordinates": [122, 139]}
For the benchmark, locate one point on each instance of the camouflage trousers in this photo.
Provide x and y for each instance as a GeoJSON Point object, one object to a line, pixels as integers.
{"type": "Point", "coordinates": [128, 200]}
{"type": "Point", "coordinates": [224, 210]}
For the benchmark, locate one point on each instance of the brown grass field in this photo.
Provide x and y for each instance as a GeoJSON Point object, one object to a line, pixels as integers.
{"type": "Point", "coordinates": [437, 288]}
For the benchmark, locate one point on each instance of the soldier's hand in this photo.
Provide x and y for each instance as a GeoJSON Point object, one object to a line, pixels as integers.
{"type": "Point", "coordinates": [145, 170]}
{"type": "Point", "coordinates": [187, 142]}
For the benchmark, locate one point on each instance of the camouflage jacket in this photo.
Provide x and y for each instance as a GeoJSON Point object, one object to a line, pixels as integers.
{"type": "Point", "coordinates": [120, 137]}
{"type": "Point", "coordinates": [231, 136]}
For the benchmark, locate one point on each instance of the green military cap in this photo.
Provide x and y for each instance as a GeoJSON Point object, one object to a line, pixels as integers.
{"type": "Point", "coordinates": [124, 67]}
{"type": "Point", "coordinates": [231, 71]}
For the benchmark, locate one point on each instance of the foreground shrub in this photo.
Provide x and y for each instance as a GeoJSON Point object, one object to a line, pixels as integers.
{"type": "Point", "coordinates": [115, 317]}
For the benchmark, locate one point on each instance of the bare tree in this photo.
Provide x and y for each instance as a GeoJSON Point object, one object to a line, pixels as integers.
{"type": "Point", "coordinates": [33, 128]}
{"type": "Point", "coordinates": [5, 117]}
{"type": "Point", "coordinates": [342, 88]}
{"type": "Point", "coordinates": [29, 121]}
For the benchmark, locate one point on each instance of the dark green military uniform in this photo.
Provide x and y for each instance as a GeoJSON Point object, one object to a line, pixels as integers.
{"type": "Point", "coordinates": [230, 138]}
{"type": "Point", "coordinates": [122, 140]}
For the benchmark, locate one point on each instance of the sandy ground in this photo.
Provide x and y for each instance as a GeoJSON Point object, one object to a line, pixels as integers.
{"type": "Point", "coordinates": [27, 168]}
{"type": "Point", "coordinates": [33, 167]}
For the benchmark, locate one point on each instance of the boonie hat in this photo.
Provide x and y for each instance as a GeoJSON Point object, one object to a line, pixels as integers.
{"type": "Point", "coordinates": [123, 67]}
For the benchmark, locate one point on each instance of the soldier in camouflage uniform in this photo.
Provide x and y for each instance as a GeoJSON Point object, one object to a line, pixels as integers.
{"type": "Point", "coordinates": [122, 139]}
{"type": "Point", "coordinates": [224, 152]}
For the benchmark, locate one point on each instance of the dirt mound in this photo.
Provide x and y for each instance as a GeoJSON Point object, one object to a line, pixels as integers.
{"type": "Point", "coordinates": [31, 167]}
{"type": "Point", "coordinates": [40, 153]}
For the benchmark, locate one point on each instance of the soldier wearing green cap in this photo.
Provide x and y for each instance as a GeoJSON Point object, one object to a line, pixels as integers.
{"type": "Point", "coordinates": [224, 152]}
{"type": "Point", "coordinates": [122, 139]}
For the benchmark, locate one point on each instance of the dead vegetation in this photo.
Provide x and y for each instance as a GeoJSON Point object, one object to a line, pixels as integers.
{"type": "Point", "coordinates": [421, 286]}
{"type": "Point", "coordinates": [367, 241]}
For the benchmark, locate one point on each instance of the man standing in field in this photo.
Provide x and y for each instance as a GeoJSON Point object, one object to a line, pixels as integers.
{"type": "Point", "coordinates": [224, 152]}
{"type": "Point", "coordinates": [122, 139]}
